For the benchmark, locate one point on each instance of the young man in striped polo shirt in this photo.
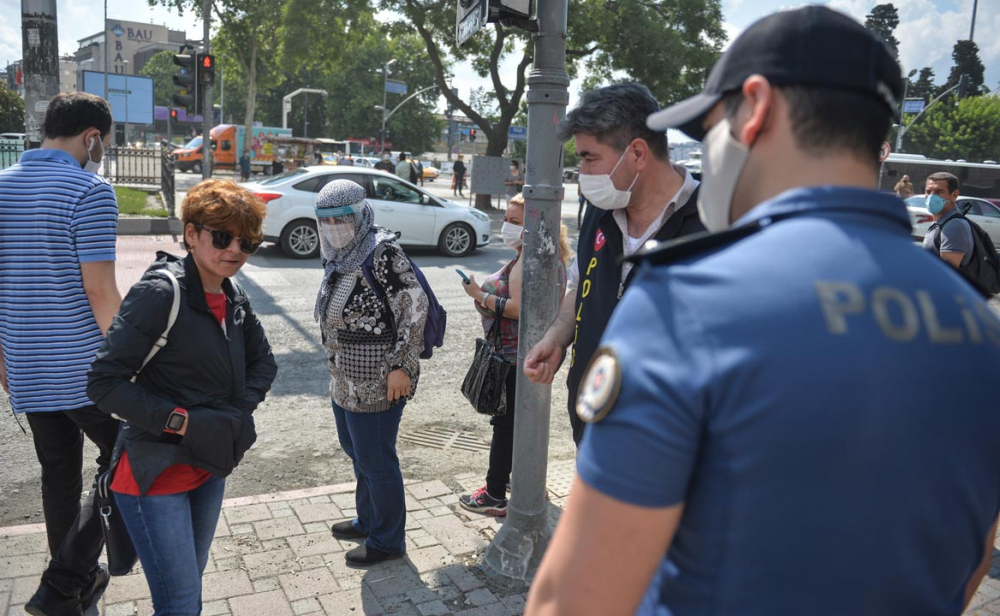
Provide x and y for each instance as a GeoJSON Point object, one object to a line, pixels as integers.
{"type": "Point", "coordinates": [58, 224]}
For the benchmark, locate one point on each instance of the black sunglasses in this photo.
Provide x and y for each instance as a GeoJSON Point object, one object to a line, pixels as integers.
{"type": "Point", "coordinates": [222, 239]}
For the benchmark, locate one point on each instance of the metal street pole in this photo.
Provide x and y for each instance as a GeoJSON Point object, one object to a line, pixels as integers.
{"type": "Point", "coordinates": [902, 106]}
{"type": "Point", "coordinates": [40, 67]}
{"type": "Point", "coordinates": [385, 84]}
{"type": "Point", "coordinates": [305, 110]}
{"type": "Point", "coordinates": [107, 53]}
{"type": "Point", "coordinates": [206, 107]}
{"type": "Point", "coordinates": [972, 29]}
{"type": "Point", "coordinates": [516, 551]}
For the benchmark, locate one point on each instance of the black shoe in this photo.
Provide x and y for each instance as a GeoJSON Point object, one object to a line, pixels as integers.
{"type": "Point", "coordinates": [364, 556]}
{"type": "Point", "coordinates": [47, 601]}
{"type": "Point", "coordinates": [93, 592]}
{"type": "Point", "coordinates": [347, 530]}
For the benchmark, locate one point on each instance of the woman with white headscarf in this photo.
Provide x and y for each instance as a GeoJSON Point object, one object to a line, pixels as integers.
{"type": "Point", "coordinates": [372, 311]}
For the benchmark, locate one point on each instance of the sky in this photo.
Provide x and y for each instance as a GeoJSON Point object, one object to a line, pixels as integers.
{"type": "Point", "coordinates": [927, 31]}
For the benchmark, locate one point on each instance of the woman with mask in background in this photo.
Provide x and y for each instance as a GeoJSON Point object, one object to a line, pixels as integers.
{"type": "Point", "coordinates": [372, 312]}
{"type": "Point", "coordinates": [491, 499]}
{"type": "Point", "coordinates": [514, 181]}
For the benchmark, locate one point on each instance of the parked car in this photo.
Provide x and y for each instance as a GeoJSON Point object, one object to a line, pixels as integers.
{"type": "Point", "coordinates": [421, 218]}
{"type": "Point", "coordinates": [571, 174]}
{"type": "Point", "coordinates": [430, 171]}
{"type": "Point", "coordinates": [983, 212]}
{"type": "Point", "coordinates": [365, 161]}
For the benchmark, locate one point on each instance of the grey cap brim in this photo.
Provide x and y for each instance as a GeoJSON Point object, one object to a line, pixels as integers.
{"type": "Point", "coordinates": [686, 116]}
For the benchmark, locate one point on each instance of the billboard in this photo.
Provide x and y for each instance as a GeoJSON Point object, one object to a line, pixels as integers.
{"type": "Point", "coordinates": [130, 97]}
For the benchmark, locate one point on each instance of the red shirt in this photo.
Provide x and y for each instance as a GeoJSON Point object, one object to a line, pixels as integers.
{"type": "Point", "coordinates": [176, 478]}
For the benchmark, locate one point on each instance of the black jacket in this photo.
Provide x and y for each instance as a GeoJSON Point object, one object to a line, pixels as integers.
{"type": "Point", "coordinates": [219, 378]}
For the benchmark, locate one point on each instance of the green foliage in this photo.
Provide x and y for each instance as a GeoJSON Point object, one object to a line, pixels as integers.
{"type": "Point", "coordinates": [11, 111]}
{"type": "Point", "coordinates": [570, 157]}
{"type": "Point", "coordinates": [969, 130]}
{"type": "Point", "coordinates": [883, 20]}
{"type": "Point", "coordinates": [132, 201]}
{"type": "Point", "coordinates": [967, 62]}
{"type": "Point", "coordinates": [161, 69]}
{"type": "Point", "coordinates": [924, 86]}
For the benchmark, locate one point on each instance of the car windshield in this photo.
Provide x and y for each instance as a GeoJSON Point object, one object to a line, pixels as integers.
{"type": "Point", "coordinates": [281, 177]}
{"type": "Point", "coordinates": [194, 143]}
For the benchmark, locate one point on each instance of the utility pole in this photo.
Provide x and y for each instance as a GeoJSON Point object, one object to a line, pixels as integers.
{"type": "Point", "coordinates": [40, 46]}
{"type": "Point", "coordinates": [972, 29]}
{"type": "Point", "coordinates": [206, 106]}
{"type": "Point", "coordinates": [516, 551]}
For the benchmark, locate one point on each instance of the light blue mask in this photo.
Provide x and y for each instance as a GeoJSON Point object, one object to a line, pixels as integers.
{"type": "Point", "coordinates": [935, 204]}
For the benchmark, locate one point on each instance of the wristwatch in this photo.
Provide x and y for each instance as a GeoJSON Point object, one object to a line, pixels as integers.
{"type": "Point", "coordinates": [176, 420]}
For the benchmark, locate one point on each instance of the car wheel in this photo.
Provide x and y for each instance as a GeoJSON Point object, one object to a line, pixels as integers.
{"type": "Point", "coordinates": [300, 239]}
{"type": "Point", "coordinates": [196, 167]}
{"type": "Point", "coordinates": [457, 240]}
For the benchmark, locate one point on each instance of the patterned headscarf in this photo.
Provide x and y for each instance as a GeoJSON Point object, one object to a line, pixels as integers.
{"type": "Point", "coordinates": [345, 199]}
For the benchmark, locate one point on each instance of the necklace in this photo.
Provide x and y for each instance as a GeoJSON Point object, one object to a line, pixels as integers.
{"type": "Point", "coordinates": [215, 291]}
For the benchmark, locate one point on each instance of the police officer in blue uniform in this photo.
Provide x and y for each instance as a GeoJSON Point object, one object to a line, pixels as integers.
{"type": "Point", "coordinates": [795, 414]}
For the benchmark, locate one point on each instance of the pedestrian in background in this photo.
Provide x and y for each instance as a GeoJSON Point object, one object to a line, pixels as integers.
{"type": "Point", "coordinates": [245, 166]}
{"type": "Point", "coordinates": [372, 311]}
{"type": "Point", "coordinates": [514, 181]}
{"type": "Point", "coordinates": [418, 169]}
{"type": "Point", "coordinates": [954, 243]}
{"type": "Point", "coordinates": [189, 412]}
{"type": "Point", "coordinates": [58, 295]}
{"type": "Point", "coordinates": [386, 163]}
{"type": "Point", "coordinates": [458, 175]}
{"type": "Point", "coordinates": [491, 499]}
{"type": "Point", "coordinates": [403, 168]}
{"type": "Point", "coordinates": [904, 188]}
{"type": "Point", "coordinates": [758, 443]}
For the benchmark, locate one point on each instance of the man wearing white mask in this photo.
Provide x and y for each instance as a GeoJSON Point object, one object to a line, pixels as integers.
{"type": "Point", "coordinates": [58, 296]}
{"type": "Point", "coordinates": [758, 443]}
{"type": "Point", "coordinates": [638, 195]}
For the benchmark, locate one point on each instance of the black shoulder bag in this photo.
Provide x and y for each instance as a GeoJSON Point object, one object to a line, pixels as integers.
{"type": "Point", "coordinates": [485, 384]}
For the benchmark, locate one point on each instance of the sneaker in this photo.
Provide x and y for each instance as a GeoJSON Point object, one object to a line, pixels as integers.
{"type": "Point", "coordinates": [480, 501]}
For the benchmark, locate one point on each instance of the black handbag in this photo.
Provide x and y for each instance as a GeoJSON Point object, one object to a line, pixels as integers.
{"type": "Point", "coordinates": [121, 551]}
{"type": "Point", "coordinates": [485, 384]}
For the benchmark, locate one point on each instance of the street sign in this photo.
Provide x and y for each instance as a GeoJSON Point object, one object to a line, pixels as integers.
{"type": "Point", "coordinates": [913, 105]}
{"type": "Point", "coordinates": [517, 133]}
{"type": "Point", "coordinates": [395, 87]}
{"type": "Point", "coordinates": [286, 105]}
{"type": "Point", "coordinates": [471, 18]}
{"type": "Point", "coordinates": [884, 151]}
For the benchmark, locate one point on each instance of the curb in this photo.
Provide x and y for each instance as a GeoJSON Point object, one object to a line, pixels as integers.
{"type": "Point", "coordinates": [149, 226]}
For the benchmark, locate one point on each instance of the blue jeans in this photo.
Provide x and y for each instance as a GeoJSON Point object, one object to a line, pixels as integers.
{"type": "Point", "coordinates": [172, 534]}
{"type": "Point", "coordinates": [369, 439]}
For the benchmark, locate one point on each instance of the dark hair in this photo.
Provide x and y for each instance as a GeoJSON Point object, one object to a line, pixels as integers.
{"type": "Point", "coordinates": [616, 115]}
{"type": "Point", "coordinates": [515, 163]}
{"type": "Point", "coordinates": [944, 176]}
{"type": "Point", "coordinates": [69, 115]}
{"type": "Point", "coordinates": [831, 119]}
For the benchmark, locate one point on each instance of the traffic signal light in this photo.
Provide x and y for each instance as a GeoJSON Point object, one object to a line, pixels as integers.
{"type": "Point", "coordinates": [173, 115]}
{"type": "Point", "coordinates": [186, 78]}
{"type": "Point", "coordinates": [472, 135]}
{"type": "Point", "coordinates": [206, 69]}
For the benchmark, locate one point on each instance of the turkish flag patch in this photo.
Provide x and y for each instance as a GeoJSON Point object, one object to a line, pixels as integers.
{"type": "Point", "coordinates": [599, 241]}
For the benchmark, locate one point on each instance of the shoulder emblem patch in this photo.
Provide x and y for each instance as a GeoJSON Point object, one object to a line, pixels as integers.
{"type": "Point", "coordinates": [600, 386]}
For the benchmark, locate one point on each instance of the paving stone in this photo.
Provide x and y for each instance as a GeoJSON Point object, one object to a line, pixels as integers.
{"type": "Point", "coordinates": [274, 544]}
{"type": "Point", "coordinates": [144, 607]}
{"type": "Point", "coordinates": [345, 576]}
{"type": "Point", "coordinates": [344, 501]}
{"type": "Point", "coordinates": [454, 535]}
{"type": "Point", "coordinates": [215, 608]}
{"type": "Point", "coordinates": [412, 504]}
{"type": "Point", "coordinates": [24, 564]}
{"type": "Point", "coordinates": [306, 606]}
{"type": "Point", "coordinates": [15, 610]}
{"type": "Point", "coordinates": [271, 603]}
{"type": "Point", "coordinates": [354, 601]}
{"type": "Point", "coordinates": [266, 584]}
{"type": "Point", "coordinates": [318, 512]}
{"type": "Point", "coordinates": [309, 583]}
{"type": "Point", "coordinates": [448, 592]}
{"type": "Point", "coordinates": [119, 609]}
{"type": "Point", "coordinates": [448, 499]}
{"type": "Point", "coordinates": [279, 506]}
{"type": "Point", "coordinates": [22, 588]}
{"type": "Point", "coordinates": [421, 595]}
{"type": "Point", "coordinates": [412, 524]}
{"type": "Point", "coordinates": [494, 609]}
{"type": "Point", "coordinates": [225, 547]}
{"type": "Point", "coordinates": [317, 527]}
{"type": "Point", "coordinates": [434, 608]}
{"type": "Point", "coordinates": [18, 545]}
{"type": "Point", "coordinates": [247, 514]}
{"type": "Point", "coordinates": [273, 529]}
{"type": "Point", "coordinates": [313, 562]}
{"type": "Point", "coordinates": [426, 542]}
{"type": "Point", "coordinates": [228, 564]}
{"type": "Point", "coordinates": [421, 514]}
{"type": "Point", "coordinates": [514, 603]}
{"type": "Point", "coordinates": [388, 580]}
{"type": "Point", "coordinates": [470, 483]}
{"type": "Point", "coordinates": [430, 503]}
{"type": "Point", "coordinates": [462, 577]}
{"type": "Point", "coordinates": [428, 489]}
{"type": "Point", "coordinates": [481, 597]}
{"type": "Point", "coordinates": [225, 584]}
{"type": "Point", "coordinates": [442, 510]}
{"type": "Point", "coordinates": [222, 528]}
{"type": "Point", "coordinates": [430, 558]}
{"type": "Point", "coordinates": [127, 588]}
{"type": "Point", "coordinates": [319, 499]}
{"type": "Point", "coordinates": [283, 513]}
{"type": "Point", "coordinates": [4, 602]}
{"type": "Point", "coordinates": [349, 514]}
{"type": "Point", "coordinates": [6, 585]}
{"type": "Point", "coordinates": [241, 529]}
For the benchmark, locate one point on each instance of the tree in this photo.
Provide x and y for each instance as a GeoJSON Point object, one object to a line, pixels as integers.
{"type": "Point", "coordinates": [161, 69]}
{"type": "Point", "coordinates": [968, 130]}
{"type": "Point", "coordinates": [924, 86]}
{"type": "Point", "coordinates": [11, 111]}
{"type": "Point", "coordinates": [670, 46]}
{"type": "Point", "coordinates": [883, 20]}
{"type": "Point", "coordinates": [967, 62]}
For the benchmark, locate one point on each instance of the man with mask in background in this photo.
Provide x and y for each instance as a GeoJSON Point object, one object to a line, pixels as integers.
{"type": "Point", "coordinates": [758, 443]}
{"type": "Point", "coordinates": [638, 195]}
{"type": "Point", "coordinates": [58, 225]}
{"type": "Point", "coordinates": [386, 163]}
{"type": "Point", "coordinates": [952, 242]}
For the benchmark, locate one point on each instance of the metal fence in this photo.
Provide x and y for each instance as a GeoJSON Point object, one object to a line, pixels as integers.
{"type": "Point", "coordinates": [133, 167]}
{"type": "Point", "coordinates": [10, 152]}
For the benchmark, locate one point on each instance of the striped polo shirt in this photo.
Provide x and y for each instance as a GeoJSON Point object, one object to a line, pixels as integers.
{"type": "Point", "coordinates": [53, 217]}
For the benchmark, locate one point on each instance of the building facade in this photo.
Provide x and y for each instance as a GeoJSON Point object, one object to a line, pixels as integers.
{"type": "Point", "coordinates": [132, 44]}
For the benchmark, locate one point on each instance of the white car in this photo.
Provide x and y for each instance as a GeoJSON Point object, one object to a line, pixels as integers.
{"type": "Point", "coordinates": [421, 218]}
{"type": "Point", "coordinates": [984, 213]}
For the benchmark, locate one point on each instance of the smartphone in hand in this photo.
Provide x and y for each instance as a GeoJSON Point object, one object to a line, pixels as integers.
{"type": "Point", "coordinates": [465, 278]}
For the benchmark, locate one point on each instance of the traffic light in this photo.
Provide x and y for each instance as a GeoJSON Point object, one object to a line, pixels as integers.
{"type": "Point", "coordinates": [186, 78]}
{"type": "Point", "coordinates": [472, 135]}
{"type": "Point", "coordinates": [173, 115]}
{"type": "Point", "coordinates": [206, 69]}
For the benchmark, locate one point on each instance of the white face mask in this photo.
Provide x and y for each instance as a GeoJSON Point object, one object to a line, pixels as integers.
{"type": "Point", "coordinates": [600, 189]}
{"type": "Point", "coordinates": [511, 235]}
{"type": "Point", "coordinates": [92, 166]}
{"type": "Point", "coordinates": [339, 236]}
{"type": "Point", "coordinates": [722, 162]}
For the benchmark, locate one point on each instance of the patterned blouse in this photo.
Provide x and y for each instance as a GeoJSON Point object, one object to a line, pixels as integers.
{"type": "Point", "coordinates": [362, 347]}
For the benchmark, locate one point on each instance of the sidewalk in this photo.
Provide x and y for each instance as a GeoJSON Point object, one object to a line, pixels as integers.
{"type": "Point", "coordinates": [274, 555]}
